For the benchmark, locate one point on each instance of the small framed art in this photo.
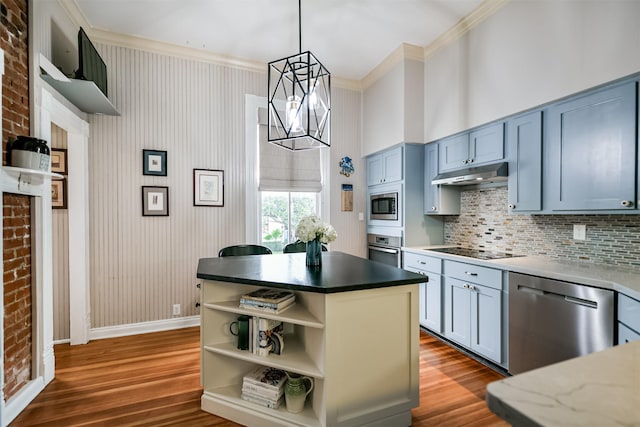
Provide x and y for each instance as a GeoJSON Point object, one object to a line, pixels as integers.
{"type": "Point", "coordinates": [208, 187]}
{"type": "Point", "coordinates": [59, 160]}
{"type": "Point", "coordinates": [154, 162]}
{"type": "Point", "coordinates": [155, 201]}
{"type": "Point", "coordinates": [59, 194]}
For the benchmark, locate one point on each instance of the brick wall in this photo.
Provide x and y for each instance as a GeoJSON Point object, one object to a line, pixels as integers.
{"type": "Point", "coordinates": [16, 209]}
{"type": "Point", "coordinates": [16, 235]}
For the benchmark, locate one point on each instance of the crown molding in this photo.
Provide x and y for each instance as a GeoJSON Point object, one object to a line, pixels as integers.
{"type": "Point", "coordinates": [141, 43]}
{"type": "Point", "coordinates": [464, 25]}
{"type": "Point", "coordinates": [403, 52]}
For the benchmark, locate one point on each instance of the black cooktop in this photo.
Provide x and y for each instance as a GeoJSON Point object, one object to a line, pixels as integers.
{"type": "Point", "coordinates": [475, 253]}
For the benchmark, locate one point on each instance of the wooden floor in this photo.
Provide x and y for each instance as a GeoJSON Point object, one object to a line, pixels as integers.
{"type": "Point", "coordinates": [153, 380]}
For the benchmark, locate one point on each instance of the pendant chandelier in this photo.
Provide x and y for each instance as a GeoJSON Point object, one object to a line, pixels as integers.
{"type": "Point", "coordinates": [299, 89]}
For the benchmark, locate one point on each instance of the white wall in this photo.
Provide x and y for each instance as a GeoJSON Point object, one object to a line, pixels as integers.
{"type": "Point", "coordinates": [194, 111]}
{"type": "Point", "coordinates": [526, 54]}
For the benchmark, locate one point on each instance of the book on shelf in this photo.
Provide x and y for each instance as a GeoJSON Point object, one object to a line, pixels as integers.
{"type": "Point", "coordinates": [258, 400]}
{"type": "Point", "coordinates": [267, 377]}
{"type": "Point", "coordinates": [265, 309]}
{"type": "Point", "coordinates": [263, 392]}
{"type": "Point", "coordinates": [267, 336]}
{"type": "Point", "coordinates": [268, 295]}
{"type": "Point", "coordinates": [265, 304]}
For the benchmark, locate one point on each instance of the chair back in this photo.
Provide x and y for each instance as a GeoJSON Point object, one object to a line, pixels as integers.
{"type": "Point", "coordinates": [298, 246]}
{"type": "Point", "coordinates": [240, 250]}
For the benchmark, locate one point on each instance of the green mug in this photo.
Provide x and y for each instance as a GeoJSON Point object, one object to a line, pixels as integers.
{"type": "Point", "coordinates": [241, 331]}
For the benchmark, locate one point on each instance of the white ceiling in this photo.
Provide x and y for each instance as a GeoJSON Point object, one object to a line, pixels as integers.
{"type": "Point", "coordinates": [350, 37]}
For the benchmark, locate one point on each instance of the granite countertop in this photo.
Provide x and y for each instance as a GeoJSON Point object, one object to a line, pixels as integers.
{"type": "Point", "coordinates": [599, 389]}
{"type": "Point", "coordinates": [340, 272]}
{"type": "Point", "coordinates": [624, 280]}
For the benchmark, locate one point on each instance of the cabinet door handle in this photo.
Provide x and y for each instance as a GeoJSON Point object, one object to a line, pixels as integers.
{"type": "Point", "coordinates": [512, 206]}
{"type": "Point", "coordinates": [433, 208]}
{"type": "Point", "coordinates": [470, 161]}
{"type": "Point", "coordinates": [472, 288]}
{"type": "Point", "coordinates": [468, 273]}
{"type": "Point", "coordinates": [626, 203]}
{"type": "Point", "coordinates": [466, 286]}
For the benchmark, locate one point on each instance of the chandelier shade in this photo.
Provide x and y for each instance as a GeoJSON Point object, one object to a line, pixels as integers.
{"type": "Point", "coordinates": [299, 89]}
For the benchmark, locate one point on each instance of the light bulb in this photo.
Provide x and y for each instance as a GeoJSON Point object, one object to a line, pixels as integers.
{"type": "Point", "coordinates": [293, 113]}
{"type": "Point", "coordinates": [313, 95]}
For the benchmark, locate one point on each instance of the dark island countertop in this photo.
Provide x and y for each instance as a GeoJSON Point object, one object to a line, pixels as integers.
{"type": "Point", "coordinates": [340, 272]}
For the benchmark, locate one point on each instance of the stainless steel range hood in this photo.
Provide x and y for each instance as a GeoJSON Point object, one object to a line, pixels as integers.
{"type": "Point", "coordinates": [497, 172]}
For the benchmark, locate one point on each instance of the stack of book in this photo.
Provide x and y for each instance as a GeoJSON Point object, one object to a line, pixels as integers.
{"type": "Point", "coordinates": [268, 300]}
{"type": "Point", "coordinates": [264, 386]}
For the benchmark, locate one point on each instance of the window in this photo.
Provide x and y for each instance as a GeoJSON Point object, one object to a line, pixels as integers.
{"type": "Point", "coordinates": [280, 212]}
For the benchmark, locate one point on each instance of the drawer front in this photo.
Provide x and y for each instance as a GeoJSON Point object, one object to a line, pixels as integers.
{"type": "Point", "coordinates": [422, 262]}
{"type": "Point", "coordinates": [626, 335]}
{"type": "Point", "coordinates": [474, 274]}
{"type": "Point", "coordinates": [629, 312]}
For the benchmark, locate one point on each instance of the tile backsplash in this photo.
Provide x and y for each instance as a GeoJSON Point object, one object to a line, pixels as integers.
{"type": "Point", "coordinates": [485, 222]}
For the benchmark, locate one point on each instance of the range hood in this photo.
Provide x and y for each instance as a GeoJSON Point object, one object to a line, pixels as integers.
{"type": "Point", "coordinates": [497, 172]}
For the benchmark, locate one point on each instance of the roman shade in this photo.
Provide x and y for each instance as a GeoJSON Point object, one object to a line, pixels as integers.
{"type": "Point", "coordinates": [285, 170]}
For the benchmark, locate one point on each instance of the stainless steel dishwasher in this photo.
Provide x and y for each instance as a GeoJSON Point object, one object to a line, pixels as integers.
{"type": "Point", "coordinates": [551, 321]}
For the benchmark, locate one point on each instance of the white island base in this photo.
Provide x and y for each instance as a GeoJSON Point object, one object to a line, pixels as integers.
{"type": "Point", "coordinates": [360, 347]}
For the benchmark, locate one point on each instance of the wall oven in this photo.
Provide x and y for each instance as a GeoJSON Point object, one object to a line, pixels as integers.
{"type": "Point", "coordinates": [385, 249]}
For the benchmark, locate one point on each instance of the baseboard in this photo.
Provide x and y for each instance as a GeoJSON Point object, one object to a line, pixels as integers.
{"type": "Point", "coordinates": [143, 327]}
{"type": "Point", "coordinates": [21, 400]}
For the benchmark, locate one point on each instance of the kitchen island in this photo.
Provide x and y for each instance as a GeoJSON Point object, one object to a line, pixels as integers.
{"type": "Point", "coordinates": [353, 329]}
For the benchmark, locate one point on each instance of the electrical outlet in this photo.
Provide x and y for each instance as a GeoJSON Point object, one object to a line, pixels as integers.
{"type": "Point", "coordinates": [360, 216]}
{"type": "Point", "coordinates": [579, 232]}
{"type": "Point", "coordinates": [176, 309]}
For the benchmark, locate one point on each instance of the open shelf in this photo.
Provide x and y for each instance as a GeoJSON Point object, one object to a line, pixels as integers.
{"type": "Point", "coordinates": [297, 314]}
{"type": "Point", "coordinates": [84, 94]}
{"type": "Point", "coordinates": [18, 171]}
{"type": "Point", "coordinates": [231, 395]}
{"type": "Point", "coordinates": [294, 357]}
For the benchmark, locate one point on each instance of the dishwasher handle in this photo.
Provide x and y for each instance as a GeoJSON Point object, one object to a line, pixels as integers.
{"type": "Point", "coordinates": [567, 298]}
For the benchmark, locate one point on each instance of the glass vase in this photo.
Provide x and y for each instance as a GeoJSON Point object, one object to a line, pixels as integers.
{"type": "Point", "coordinates": [314, 253]}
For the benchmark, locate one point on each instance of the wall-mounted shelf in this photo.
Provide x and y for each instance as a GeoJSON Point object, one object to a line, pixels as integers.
{"type": "Point", "coordinates": [25, 181]}
{"type": "Point", "coordinates": [84, 94]}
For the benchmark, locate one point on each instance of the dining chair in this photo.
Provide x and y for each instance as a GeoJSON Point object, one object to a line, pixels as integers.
{"type": "Point", "coordinates": [239, 250]}
{"type": "Point", "coordinates": [298, 246]}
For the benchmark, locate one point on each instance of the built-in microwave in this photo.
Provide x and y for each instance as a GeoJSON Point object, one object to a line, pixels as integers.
{"type": "Point", "coordinates": [383, 206]}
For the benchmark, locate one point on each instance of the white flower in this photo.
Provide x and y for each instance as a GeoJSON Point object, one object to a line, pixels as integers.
{"type": "Point", "coordinates": [311, 228]}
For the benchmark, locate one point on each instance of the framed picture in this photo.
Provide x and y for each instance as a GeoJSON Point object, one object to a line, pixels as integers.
{"type": "Point", "coordinates": [208, 187]}
{"type": "Point", "coordinates": [59, 160]}
{"type": "Point", "coordinates": [59, 194]}
{"type": "Point", "coordinates": [154, 162]}
{"type": "Point", "coordinates": [155, 201]}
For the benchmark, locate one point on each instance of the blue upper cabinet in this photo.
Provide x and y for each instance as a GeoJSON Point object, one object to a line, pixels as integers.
{"type": "Point", "coordinates": [385, 167]}
{"type": "Point", "coordinates": [590, 152]}
{"type": "Point", "coordinates": [454, 152]}
{"type": "Point", "coordinates": [524, 142]}
{"type": "Point", "coordinates": [486, 144]}
{"type": "Point", "coordinates": [480, 146]}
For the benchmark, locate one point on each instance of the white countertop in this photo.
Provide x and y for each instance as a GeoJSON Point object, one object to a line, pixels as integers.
{"type": "Point", "coordinates": [599, 389]}
{"type": "Point", "coordinates": [623, 280]}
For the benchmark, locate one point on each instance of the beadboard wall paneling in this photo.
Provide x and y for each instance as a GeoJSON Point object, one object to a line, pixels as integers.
{"type": "Point", "coordinates": [485, 222]}
{"type": "Point", "coordinates": [346, 137]}
{"type": "Point", "coordinates": [141, 266]}
{"type": "Point", "coordinates": [60, 239]}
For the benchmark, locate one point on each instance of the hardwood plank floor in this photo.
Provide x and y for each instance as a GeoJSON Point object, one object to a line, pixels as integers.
{"type": "Point", "coordinates": [153, 380]}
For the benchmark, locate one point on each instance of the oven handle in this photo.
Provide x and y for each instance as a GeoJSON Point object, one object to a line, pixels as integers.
{"type": "Point", "coordinates": [386, 251]}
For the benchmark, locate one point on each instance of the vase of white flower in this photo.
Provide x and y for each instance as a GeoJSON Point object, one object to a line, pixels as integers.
{"type": "Point", "coordinates": [314, 233]}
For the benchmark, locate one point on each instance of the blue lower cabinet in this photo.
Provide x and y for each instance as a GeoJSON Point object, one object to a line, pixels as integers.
{"type": "Point", "coordinates": [473, 317]}
{"type": "Point", "coordinates": [457, 312]}
{"type": "Point", "coordinates": [431, 303]}
{"type": "Point", "coordinates": [486, 322]}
